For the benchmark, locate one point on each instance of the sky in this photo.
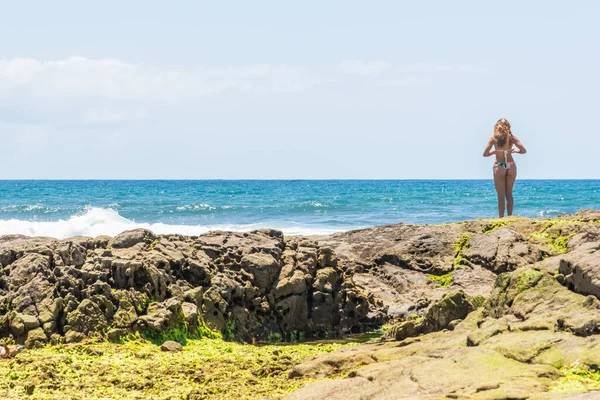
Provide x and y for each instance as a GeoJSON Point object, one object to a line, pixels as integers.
{"type": "Point", "coordinates": [296, 90]}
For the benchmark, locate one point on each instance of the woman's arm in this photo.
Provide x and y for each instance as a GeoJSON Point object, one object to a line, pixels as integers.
{"type": "Point", "coordinates": [487, 152]}
{"type": "Point", "coordinates": [519, 145]}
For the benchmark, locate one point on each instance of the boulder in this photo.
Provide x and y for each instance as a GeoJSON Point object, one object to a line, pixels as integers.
{"type": "Point", "coordinates": [131, 238]}
{"type": "Point", "coordinates": [454, 306]}
{"type": "Point", "coordinates": [171, 346]}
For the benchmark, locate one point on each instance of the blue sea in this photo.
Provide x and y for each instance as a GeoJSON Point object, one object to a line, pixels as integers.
{"type": "Point", "coordinates": [68, 208]}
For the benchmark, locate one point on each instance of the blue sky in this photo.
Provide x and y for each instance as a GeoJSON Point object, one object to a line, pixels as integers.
{"type": "Point", "coordinates": [314, 89]}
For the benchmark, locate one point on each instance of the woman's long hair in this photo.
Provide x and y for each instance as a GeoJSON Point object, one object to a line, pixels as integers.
{"type": "Point", "coordinates": [502, 132]}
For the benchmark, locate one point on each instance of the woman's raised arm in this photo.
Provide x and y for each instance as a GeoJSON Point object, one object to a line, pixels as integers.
{"type": "Point", "coordinates": [487, 152]}
{"type": "Point", "coordinates": [519, 145]}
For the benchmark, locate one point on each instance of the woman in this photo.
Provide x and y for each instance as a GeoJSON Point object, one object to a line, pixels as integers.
{"type": "Point", "coordinates": [505, 169]}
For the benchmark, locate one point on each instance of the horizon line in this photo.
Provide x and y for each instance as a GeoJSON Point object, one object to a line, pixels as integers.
{"type": "Point", "coordinates": [273, 179]}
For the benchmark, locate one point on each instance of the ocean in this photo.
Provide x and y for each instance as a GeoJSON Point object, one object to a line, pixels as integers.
{"type": "Point", "coordinates": [69, 208]}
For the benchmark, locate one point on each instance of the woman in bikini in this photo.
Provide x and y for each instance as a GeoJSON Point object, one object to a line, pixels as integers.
{"type": "Point", "coordinates": [505, 169]}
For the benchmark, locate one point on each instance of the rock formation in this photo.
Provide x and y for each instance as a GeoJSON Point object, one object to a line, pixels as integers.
{"type": "Point", "coordinates": [483, 309]}
{"type": "Point", "coordinates": [534, 334]}
{"type": "Point", "coordinates": [246, 285]}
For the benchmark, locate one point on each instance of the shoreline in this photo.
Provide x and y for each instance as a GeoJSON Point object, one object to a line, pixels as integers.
{"type": "Point", "coordinates": [325, 232]}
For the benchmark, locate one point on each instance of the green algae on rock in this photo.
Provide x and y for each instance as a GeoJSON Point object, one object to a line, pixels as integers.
{"type": "Point", "coordinates": [207, 368]}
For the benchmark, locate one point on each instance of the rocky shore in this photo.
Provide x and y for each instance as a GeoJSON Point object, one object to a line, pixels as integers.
{"type": "Point", "coordinates": [247, 286]}
{"type": "Point", "coordinates": [483, 309]}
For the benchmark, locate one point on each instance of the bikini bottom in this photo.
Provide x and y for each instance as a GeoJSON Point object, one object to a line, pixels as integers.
{"type": "Point", "coordinates": [505, 165]}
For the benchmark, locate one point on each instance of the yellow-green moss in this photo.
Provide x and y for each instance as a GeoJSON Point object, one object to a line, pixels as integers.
{"type": "Point", "coordinates": [459, 260]}
{"type": "Point", "coordinates": [493, 225]}
{"type": "Point", "coordinates": [153, 244]}
{"type": "Point", "coordinates": [442, 280]}
{"type": "Point", "coordinates": [462, 243]}
{"type": "Point", "coordinates": [527, 279]}
{"type": "Point", "coordinates": [478, 301]}
{"type": "Point", "coordinates": [556, 240]}
{"type": "Point", "coordinates": [207, 369]}
{"type": "Point", "coordinates": [577, 378]}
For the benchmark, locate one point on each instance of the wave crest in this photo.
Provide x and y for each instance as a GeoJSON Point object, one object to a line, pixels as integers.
{"type": "Point", "coordinates": [106, 221]}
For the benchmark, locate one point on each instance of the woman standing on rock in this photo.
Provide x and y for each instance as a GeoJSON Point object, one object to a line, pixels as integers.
{"type": "Point", "coordinates": [505, 169]}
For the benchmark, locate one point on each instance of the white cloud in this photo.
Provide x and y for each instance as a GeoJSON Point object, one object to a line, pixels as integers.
{"type": "Point", "coordinates": [361, 67]}
{"type": "Point", "coordinates": [83, 91]}
{"type": "Point", "coordinates": [114, 79]}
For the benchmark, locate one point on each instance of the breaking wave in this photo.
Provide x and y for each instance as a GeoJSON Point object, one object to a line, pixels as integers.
{"type": "Point", "coordinates": [106, 221]}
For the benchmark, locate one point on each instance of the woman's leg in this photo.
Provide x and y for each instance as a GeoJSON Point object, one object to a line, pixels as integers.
{"type": "Point", "coordinates": [500, 183]}
{"type": "Point", "coordinates": [511, 176]}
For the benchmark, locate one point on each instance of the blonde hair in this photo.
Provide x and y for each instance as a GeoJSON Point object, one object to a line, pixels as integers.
{"type": "Point", "coordinates": [502, 132]}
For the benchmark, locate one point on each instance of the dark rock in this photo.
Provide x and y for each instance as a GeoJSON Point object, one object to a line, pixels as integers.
{"type": "Point", "coordinates": [116, 335]}
{"type": "Point", "coordinates": [453, 306]}
{"type": "Point", "coordinates": [87, 318]}
{"type": "Point", "coordinates": [36, 338]}
{"type": "Point", "coordinates": [131, 238]}
{"type": "Point", "coordinates": [74, 337]}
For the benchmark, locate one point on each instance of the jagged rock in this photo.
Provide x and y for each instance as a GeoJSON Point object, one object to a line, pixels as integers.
{"type": "Point", "coordinates": [36, 338]}
{"type": "Point", "coordinates": [86, 319]}
{"type": "Point", "coordinates": [326, 280]}
{"type": "Point", "coordinates": [295, 284]}
{"type": "Point", "coordinates": [125, 317]}
{"type": "Point", "coordinates": [263, 267]}
{"type": "Point", "coordinates": [73, 251]}
{"type": "Point", "coordinates": [260, 280]}
{"type": "Point", "coordinates": [163, 316]}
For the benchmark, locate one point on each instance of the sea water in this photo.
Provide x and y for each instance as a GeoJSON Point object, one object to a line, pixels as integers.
{"type": "Point", "coordinates": [68, 208]}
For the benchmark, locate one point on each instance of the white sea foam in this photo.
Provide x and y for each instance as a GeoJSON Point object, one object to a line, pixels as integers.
{"type": "Point", "coordinates": [548, 213]}
{"type": "Point", "coordinates": [201, 206]}
{"type": "Point", "coordinates": [103, 221]}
